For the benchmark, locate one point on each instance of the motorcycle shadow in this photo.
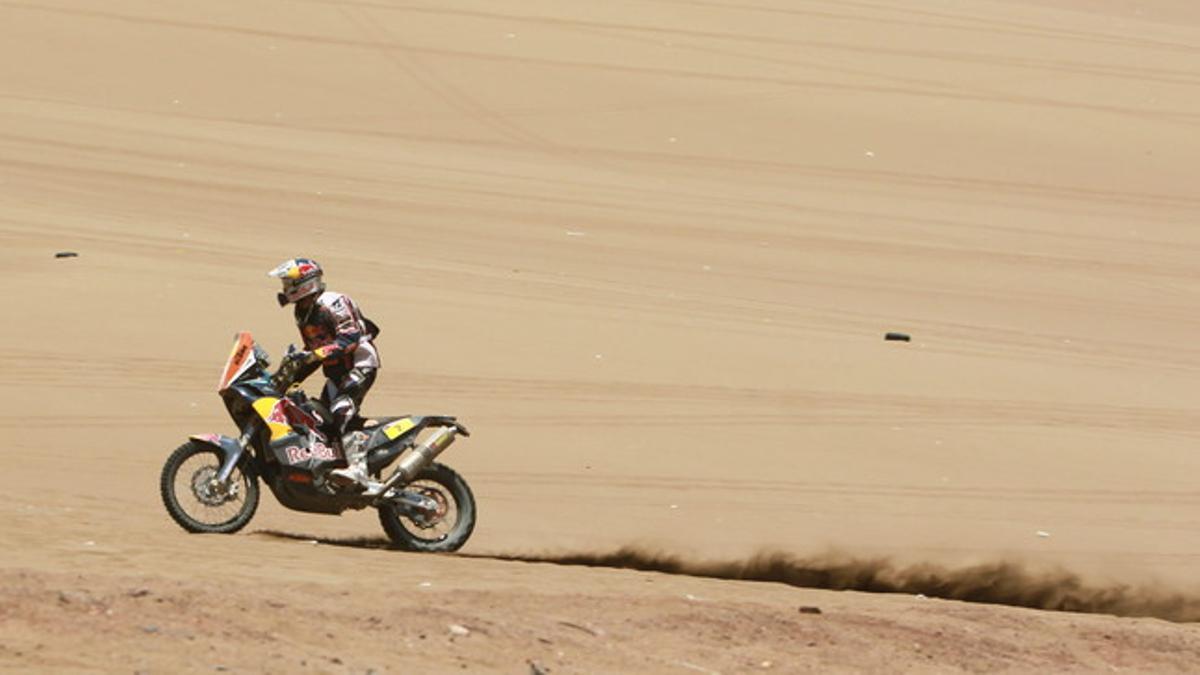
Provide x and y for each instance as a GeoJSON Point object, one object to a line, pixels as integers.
{"type": "Point", "coordinates": [376, 543]}
{"type": "Point", "coordinates": [385, 544]}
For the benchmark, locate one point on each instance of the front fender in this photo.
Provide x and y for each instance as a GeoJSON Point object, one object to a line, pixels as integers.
{"type": "Point", "coordinates": [231, 451]}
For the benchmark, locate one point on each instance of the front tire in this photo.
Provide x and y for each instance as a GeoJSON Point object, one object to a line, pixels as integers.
{"type": "Point", "coordinates": [441, 532]}
{"type": "Point", "coordinates": [194, 499]}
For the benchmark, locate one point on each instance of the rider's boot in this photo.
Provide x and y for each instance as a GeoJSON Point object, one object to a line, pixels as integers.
{"type": "Point", "coordinates": [356, 455]}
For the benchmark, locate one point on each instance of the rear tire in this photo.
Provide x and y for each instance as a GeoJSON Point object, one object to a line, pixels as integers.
{"type": "Point", "coordinates": [405, 533]}
{"type": "Point", "coordinates": [231, 511]}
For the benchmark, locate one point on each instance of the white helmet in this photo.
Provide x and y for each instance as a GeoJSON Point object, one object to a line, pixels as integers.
{"type": "Point", "coordinates": [301, 278]}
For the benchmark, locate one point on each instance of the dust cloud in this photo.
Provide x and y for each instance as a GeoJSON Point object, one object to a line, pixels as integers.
{"type": "Point", "coordinates": [998, 583]}
{"type": "Point", "coordinates": [1003, 582]}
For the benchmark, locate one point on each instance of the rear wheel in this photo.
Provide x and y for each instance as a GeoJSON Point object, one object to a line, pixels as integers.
{"type": "Point", "coordinates": [197, 501]}
{"type": "Point", "coordinates": [446, 526]}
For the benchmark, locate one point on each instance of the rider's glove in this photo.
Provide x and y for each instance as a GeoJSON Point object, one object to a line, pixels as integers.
{"type": "Point", "coordinates": [306, 358]}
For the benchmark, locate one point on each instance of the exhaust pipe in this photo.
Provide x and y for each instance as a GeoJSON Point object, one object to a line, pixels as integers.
{"type": "Point", "coordinates": [417, 459]}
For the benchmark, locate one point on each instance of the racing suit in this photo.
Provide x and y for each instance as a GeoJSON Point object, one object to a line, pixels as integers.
{"type": "Point", "coordinates": [342, 343]}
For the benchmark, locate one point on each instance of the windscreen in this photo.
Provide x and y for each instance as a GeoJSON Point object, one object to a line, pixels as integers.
{"type": "Point", "coordinates": [241, 358]}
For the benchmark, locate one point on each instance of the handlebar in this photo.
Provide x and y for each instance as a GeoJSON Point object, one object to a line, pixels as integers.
{"type": "Point", "coordinates": [285, 376]}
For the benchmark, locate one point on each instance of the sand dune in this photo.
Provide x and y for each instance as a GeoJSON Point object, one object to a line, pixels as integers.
{"type": "Point", "coordinates": [648, 251]}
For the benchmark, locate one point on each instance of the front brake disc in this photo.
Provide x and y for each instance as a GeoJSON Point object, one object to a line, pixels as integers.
{"type": "Point", "coordinates": [208, 491]}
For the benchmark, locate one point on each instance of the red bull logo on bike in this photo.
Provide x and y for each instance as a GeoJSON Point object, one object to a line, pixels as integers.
{"type": "Point", "coordinates": [319, 451]}
{"type": "Point", "coordinates": [281, 415]}
{"type": "Point", "coordinates": [267, 408]}
{"type": "Point", "coordinates": [285, 411]}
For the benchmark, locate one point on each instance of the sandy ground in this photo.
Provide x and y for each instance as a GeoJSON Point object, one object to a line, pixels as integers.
{"type": "Point", "coordinates": [647, 250]}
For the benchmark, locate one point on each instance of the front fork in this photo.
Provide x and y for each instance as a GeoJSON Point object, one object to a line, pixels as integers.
{"type": "Point", "coordinates": [234, 452]}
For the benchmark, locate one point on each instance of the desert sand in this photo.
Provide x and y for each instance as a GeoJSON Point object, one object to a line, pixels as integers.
{"type": "Point", "coordinates": [648, 252]}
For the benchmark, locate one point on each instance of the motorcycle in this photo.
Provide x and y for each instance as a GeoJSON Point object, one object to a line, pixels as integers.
{"type": "Point", "coordinates": [211, 482]}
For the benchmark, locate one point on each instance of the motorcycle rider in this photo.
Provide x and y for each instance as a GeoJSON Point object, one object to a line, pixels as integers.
{"type": "Point", "coordinates": [340, 340]}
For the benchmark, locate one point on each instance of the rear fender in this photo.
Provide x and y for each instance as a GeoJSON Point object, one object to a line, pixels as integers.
{"type": "Point", "coordinates": [231, 451]}
{"type": "Point", "coordinates": [388, 440]}
{"type": "Point", "coordinates": [393, 435]}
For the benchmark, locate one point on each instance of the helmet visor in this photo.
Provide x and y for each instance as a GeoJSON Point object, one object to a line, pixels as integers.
{"type": "Point", "coordinates": [295, 289]}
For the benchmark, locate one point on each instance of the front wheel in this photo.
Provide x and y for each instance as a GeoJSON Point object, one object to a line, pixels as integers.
{"type": "Point", "coordinates": [197, 501]}
{"type": "Point", "coordinates": [442, 529]}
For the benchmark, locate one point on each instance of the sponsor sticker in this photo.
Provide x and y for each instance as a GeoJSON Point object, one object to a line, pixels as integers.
{"type": "Point", "coordinates": [319, 451]}
{"type": "Point", "coordinates": [395, 429]}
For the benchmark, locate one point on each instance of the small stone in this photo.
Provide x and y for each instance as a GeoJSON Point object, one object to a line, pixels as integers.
{"type": "Point", "coordinates": [66, 254]}
{"type": "Point", "coordinates": [456, 629]}
{"type": "Point", "coordinates": [1042, 533]}
{"type": "Point", "coordinates": [67, 598]}
{"type": "Point", "coordinates": [139, 592]}
{"type": "Point", "coordinates": [898, 337]}
{"type": "Point", "coordinates": [594, 632]}
{"type": "Point", "coordinates": [150, 629]}
{"type": "Point", "coordinates": [809, 609]}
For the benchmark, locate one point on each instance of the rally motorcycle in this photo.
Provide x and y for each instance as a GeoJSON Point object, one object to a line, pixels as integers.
{"type": "Point", "coordinates": [210, 483]}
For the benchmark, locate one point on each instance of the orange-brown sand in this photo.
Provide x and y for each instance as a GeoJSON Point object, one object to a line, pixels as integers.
{"type": "Point", "coordinates": [647, 250]}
